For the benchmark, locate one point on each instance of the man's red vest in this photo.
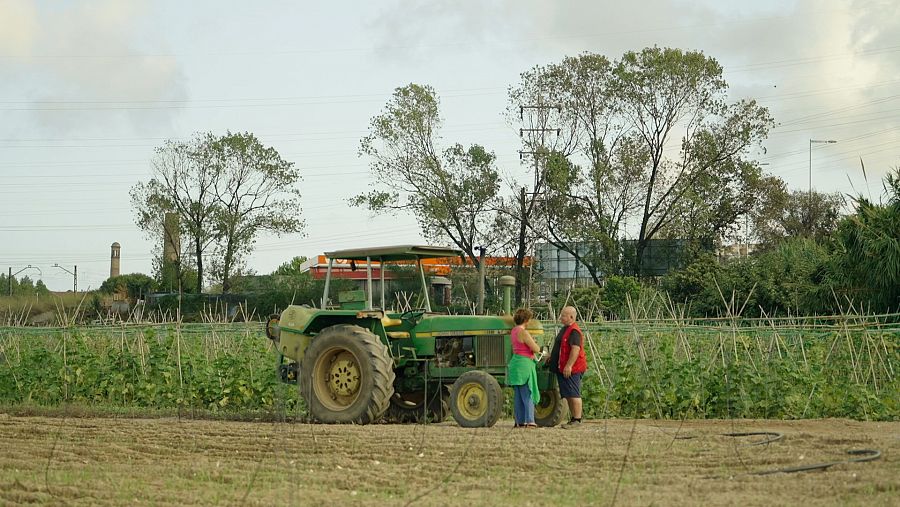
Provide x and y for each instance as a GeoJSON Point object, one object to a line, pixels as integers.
{"type": "Point", "coordinates": [580, 365]}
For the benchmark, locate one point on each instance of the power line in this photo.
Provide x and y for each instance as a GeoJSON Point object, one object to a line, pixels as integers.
{"type": "Point", "coordinates": [803, 119]}
{"type": "Point", "coordinates": [372, 95]}
{"type": "Point", "coordinates": [824, 91]}
{"type": "Point", "coordinates": [514, 44]}
{"type": "Point", "coordinates": [139, 104]}
{"type": "Point", "coordinates": [163, 105]}
{"type": "Point", "coordinates": [812, 59]}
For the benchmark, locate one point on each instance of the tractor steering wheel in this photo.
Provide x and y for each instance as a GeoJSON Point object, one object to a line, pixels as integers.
{"type": "Point", "coordinates": [411, 315]}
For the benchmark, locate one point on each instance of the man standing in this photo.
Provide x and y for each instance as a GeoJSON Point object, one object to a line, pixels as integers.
{"type": "Point", "coordinates": [569, 363]}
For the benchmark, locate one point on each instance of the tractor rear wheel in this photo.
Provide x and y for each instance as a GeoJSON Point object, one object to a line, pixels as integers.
{"type": "Point", "coordinates": [551, 410]}
{"type": "Point", "coordinates": [347, 376]}
{"type": "Point", "coordinates": [476, 400]}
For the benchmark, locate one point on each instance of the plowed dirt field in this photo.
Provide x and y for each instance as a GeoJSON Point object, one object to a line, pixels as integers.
{"type": "Point", "coordinates": [96, 461]}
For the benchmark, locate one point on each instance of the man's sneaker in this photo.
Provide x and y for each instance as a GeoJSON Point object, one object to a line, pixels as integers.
{"type": "Point", "coordinates": [574, 423]}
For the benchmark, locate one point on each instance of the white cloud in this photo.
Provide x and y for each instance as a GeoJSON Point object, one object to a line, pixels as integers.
{"type": "Point", "coordinates": [18, 28]}
{"type": "Point", "coordinates": [86, 57]}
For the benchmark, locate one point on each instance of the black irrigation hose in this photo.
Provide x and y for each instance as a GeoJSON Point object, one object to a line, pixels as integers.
{"type": "Point", "coordinates": [861, 455]}
{"type": "Point", "coordinates": [774, 436]}
{"type": "Point", "coordinates": [864, 455]}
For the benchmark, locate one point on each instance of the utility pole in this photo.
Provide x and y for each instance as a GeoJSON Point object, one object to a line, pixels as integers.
{"type": "Point", "coordinates": [540, 130]}
{"type": "Point", "coordinates": [74, 276]}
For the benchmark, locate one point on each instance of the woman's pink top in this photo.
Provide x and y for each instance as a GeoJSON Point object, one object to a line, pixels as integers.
{"type": "Point", "coordinates": [518, 346]}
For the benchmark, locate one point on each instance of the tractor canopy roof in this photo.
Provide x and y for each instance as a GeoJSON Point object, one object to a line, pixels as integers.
{"type": "Point", "coordinates": [394, 253]}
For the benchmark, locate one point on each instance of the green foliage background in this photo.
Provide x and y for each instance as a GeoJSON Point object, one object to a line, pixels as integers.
{"type": "Point", "coordinates": [226, 367]}
{"type": "Point", "coordinates": [655, 369]}
{"type": "Point", "coordinates": [790, 279]}
{"type": "Point", "coordinates": [781, 370]}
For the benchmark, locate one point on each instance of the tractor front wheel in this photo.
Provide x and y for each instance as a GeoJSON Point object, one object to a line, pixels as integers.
{"type": "Point", "coordinates": [476, 400]}
{"type": "Point", "coordinates": [347, 376]}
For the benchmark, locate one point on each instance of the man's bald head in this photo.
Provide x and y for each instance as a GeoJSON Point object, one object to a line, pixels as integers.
{"type": "Point", "coordinates": [567, 315]}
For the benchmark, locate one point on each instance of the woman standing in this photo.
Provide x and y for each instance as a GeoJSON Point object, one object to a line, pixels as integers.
{"type": "Point", "coordinates": [521, 371]}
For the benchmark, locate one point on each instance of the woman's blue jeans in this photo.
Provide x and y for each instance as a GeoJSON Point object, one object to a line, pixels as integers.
{"type": "Point", "coordinates": [523, 407]}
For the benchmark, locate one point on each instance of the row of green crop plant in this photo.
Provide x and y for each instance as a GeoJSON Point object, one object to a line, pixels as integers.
{"type": "Point", "coordinates": [656, 369]}
{"type": "Point", "coordinates": [220, 368]}
{"type": "Point", "coordinates": [790, 369]}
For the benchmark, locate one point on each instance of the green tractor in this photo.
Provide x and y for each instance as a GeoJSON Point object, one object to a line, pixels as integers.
{"type": "Point", "coordinates": [360, 364]}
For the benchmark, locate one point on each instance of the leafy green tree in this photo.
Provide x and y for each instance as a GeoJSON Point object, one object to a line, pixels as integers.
{"type": "Point", "coordinates": [866, 250]}
{"type": "Point", "coordinates": [23, 286]}
{"type": "Point", "coordinates": [667, 92]}
{"type": "Point", "coordinates": [689, 285]}
{"type": "Point", "coordinates": [617, 292]}
{"type": "Point", "coordinates": [182, 184]}
{"type": "Point", "coordinates": [26, 287]}
{"type": "Point", "coordinates": [225, 190]}
{"type": "Point", "coordinates": [41, 289]}
{"type": "Point", "coordinates": [452, 193]}
{"type": "Point", "coordinates": [790, 278]}
{"type": "Point", "coordinates": [575, 223]}
{"type": "Point", "coordinates": [172, 276]}
{"type": "Point", "coordinates": [254, 191]}
{"type": "Point", "coordinates": [613, 300]}
{"type": "Point", "coordinates": [710, 211]}
{"type": "Point", "coordinates": [780, 214]}
{"type": "Point", "coordinates": [291, 267]}
{"type": "Point", "coordinates": [622, 119]}
{"type": "Point", "coordinates": [134, 285]}
{"type": "Point", "coordinates": [583, 206]}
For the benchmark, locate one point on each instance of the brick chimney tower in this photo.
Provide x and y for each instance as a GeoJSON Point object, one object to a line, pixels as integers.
{"type": "Point", "coordinates": [114, 260]}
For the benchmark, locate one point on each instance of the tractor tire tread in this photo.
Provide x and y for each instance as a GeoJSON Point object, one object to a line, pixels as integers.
{"type": "Point", "coordinates": [494, 399]}
{"type": "Point", "coordinates": [382, 368]}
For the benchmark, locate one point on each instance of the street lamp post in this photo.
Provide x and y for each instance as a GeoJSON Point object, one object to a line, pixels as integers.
{"type": "Point", "coordinates": [74, 276]}
{"type": "Point", "coordinates": [11, 275]}
{"type": "Point", "coordinates": [811, 142]}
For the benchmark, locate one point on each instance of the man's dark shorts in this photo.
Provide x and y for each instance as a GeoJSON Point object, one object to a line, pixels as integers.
{"type": "Point", "coordinates": [569, 387]}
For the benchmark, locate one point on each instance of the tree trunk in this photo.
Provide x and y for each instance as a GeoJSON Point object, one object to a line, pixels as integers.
{"type": "Point", "coordinates": [638, 264]}
{"type": "Point", "coordinates": [198, 248]}
{"type": "Point", "coordinates": [226, 267]}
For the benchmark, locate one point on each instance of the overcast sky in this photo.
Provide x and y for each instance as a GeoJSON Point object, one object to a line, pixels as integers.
{"type": "Point", "coordinates": [89, 89]}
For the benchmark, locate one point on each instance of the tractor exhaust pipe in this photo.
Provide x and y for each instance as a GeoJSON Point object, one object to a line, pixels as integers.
{"type": "Point", "coordinates": [480, 280]}
{"type": "Point", "coordinates": [507, 282]}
